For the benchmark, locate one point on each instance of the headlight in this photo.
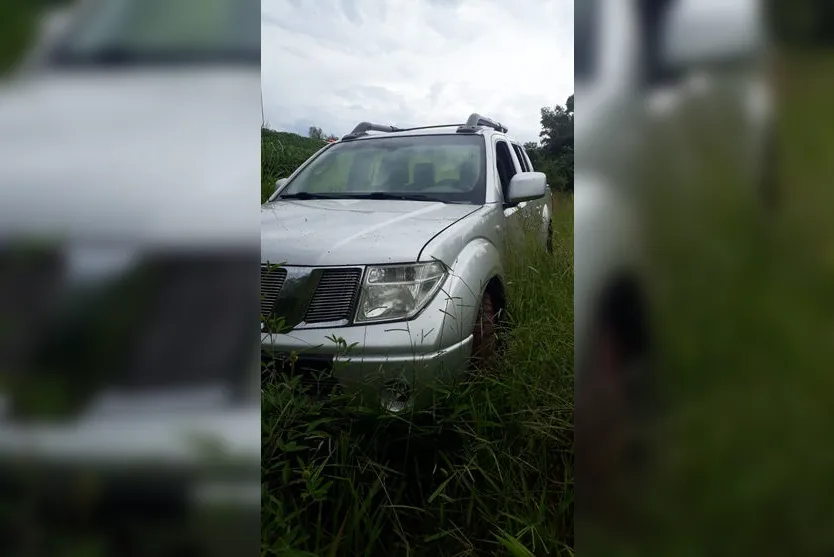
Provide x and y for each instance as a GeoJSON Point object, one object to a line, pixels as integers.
{"type": "Point", "coordinates": [398, 291]}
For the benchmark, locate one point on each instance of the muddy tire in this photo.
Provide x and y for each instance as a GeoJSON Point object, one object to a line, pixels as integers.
{"type": "Point", "coordinates": [613, 405]}
{"type": "Point", "coordinates": [486, 342]}
{"type": "Point", "coordinates": [769, 184]}
{"type": "Point", "coordinates": [549, 241]}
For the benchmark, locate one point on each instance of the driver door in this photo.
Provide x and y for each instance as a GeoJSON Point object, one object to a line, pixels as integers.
{"type": "Point", "coordinates": [506, 166]}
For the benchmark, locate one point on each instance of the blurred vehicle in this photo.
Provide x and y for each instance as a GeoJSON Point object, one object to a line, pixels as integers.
{"type": "Point", "coordinates": [129, 251]}
{"type": "Point", "coordinates": [394, 242]}
{"type": "Point", "coordinates": [669, 95]}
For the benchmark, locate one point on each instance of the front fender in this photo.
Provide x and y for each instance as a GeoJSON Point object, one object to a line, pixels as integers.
{"type": "Point", "coordinates": [476, 264]}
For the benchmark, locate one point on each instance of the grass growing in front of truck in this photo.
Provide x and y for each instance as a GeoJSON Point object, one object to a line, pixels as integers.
{"type": "Point", "coordinates": [491, 473]}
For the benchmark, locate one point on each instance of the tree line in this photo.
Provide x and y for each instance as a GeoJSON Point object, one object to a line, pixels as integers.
{"type": "Point", "coordinates": [553, 154]}
{"type": "Point", "coordinates": [317, 133]}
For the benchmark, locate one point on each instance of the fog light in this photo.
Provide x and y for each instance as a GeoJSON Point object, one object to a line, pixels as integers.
{"type": "Point", "coordinates": [395, 396]}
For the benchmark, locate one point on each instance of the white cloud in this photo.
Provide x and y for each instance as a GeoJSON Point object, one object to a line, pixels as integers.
{"type": "Point", "coordinates": [334, 63]}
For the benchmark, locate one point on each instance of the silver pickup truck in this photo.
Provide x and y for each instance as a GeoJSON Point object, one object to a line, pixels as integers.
{"type": "Point", "coordinates": [391, 242]}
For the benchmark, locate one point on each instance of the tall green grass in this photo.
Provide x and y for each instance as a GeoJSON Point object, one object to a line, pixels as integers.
{"type": "Point", "coordinates": [281, 154]}
{"type": "Point", "coordinates": [18, 28]}
{"type": "Point", "coordinates": [490, 473]}
{"type": "Point", "coordinates": [745, 318]}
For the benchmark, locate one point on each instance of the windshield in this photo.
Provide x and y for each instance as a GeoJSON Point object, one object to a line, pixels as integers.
{"type": "Point", "coordinates": [585, 45]}
{"type": "Point", "coordinates": [162, 31]}
{"type": "Point", "coordinates": [446, 168]}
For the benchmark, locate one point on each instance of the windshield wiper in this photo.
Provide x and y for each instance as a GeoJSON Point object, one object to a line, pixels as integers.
{"type": "Point", "coordinates": [308, 195]}
{"type": "Point", "coordinates": [117, 56]}
{"type": "Point", "coordinates": [373, 195]}
{"type": "Point", "coordinates": [399, 196]}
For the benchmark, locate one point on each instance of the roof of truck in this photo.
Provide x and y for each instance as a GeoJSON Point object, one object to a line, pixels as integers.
{"type": "Point", "coordinates": [475, 125]}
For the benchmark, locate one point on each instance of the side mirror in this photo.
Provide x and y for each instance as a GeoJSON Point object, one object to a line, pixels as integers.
{"type": "Point", "coordinates": [280, 183]}
{"type": "Point", "coordinates": [706, 34]}
{"type": "Point", "coordinates": [526, 186]}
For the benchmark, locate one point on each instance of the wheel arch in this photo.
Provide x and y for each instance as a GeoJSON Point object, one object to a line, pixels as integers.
{"type": "Point", "coordinates": [477, 269]}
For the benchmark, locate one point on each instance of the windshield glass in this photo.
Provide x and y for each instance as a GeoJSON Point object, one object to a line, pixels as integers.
{"type": "Point", "coordinates": [162, 31]}
{"type": "Point", "coordinates": [585, 44]}
{"type": "Point", "coordinates": [447, 168]}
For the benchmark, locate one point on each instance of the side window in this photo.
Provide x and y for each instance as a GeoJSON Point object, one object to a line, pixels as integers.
{"type": "Point", "coordinates": [505, 165]}
{"type": "Point", "coordinates": [521, 159]}
{"type": "Point", "coordinates": [527, 158]}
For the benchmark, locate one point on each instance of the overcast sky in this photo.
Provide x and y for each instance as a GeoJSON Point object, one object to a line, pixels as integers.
{"type": "Point", "coordinates": [334, 63]}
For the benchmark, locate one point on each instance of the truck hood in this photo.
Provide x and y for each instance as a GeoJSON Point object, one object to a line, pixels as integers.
{"type": "Point", "coordinates": [352, 231]}
{"type": "Point", "coordinates": [153, 156]}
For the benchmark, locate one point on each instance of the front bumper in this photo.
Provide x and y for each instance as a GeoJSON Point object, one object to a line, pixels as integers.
{"type": "Point", "coordinates": [194, 472]}
{"type": "Point", "coordinates": [366, 358]}
{"type": "Point", "coordinates": [205, 450]}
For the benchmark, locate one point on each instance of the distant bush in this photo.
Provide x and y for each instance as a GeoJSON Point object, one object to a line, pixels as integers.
{"type": "Point", "coordinates": [559, 169]}
{"type": "Point", "coordinates": [281, 154]}
{"type": "Point", "coordinates": [802, 23]}
{"type": "Point", "coordinates": [18, 27]}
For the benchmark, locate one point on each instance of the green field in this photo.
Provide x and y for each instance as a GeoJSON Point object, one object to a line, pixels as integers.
{"type": "Point", "coordinates": [281, 154]}
{"type": "Point", "coordinates": [17, 29]}
{"type": "Point", "coordinates": [490, 473]}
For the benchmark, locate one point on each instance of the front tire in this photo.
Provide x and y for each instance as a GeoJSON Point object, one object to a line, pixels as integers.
{"type": "Point", "coordinates": [613, 403]}
{"type": "Point", "coordinates": [549, 242]}
{"type": "Point", "coordinates": [485, 340]}
{"type": "Point", "coordinates": [769, 183]}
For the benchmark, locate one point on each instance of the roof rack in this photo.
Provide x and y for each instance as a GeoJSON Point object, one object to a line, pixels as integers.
{"type": "Point", "coordinates": [476, 121]}
{"type": "Point", "coordinates": [473, 123]}
{"type": "Point", "coordinates": [432, 127]}
{"type": "Point", "coordinates": [364, 127]}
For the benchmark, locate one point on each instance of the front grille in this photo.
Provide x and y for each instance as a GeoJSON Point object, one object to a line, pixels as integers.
{"type": "Point", "coordinates": [177, 320]}
{"type": "Point", "coordinates": [272, 279]}
{"type": "Point", "coordinates": [335, 296]}
{"type": "Point", "coordinates": [195, 325]}
{"type": "Point", "coordinates": [31, 278]}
